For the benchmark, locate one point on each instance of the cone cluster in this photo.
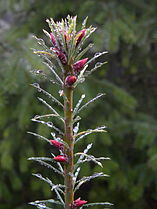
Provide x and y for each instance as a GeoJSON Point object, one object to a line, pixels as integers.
{"type": "Point", "coordinates": [63, 56]}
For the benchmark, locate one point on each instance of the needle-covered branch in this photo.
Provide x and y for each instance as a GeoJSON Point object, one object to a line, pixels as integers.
{"type": "Point", "coordinates": [68, 68]}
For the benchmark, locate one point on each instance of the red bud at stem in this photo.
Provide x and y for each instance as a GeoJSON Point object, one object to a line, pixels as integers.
{"type": "Point", "coordinates": [61, 158]}
{"type": "Point", "coordinates": [53, 39]}
{"type": "Point", "coordinates": [78, 203]}
{"type": "Point", "coordinates": [60, 55]}
{"type": "Point", "coordinates": [66, 37]}
{"type": "Point", "coordinates": [56, 144]}
{"type": "Point", "coordinates": [70, 80]}
{"type": "Point", "coordinates": [78, 66]}
{"type": "Point", "coordinates": [79, 36]}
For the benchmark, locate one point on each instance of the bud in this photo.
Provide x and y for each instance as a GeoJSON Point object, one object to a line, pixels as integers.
{"type": "Point", "coordinates": [78, 203]}
{"type": "Point", "coordinates": [60, 158]}
{"type": "Point", "coordinates": [80, 35]}
{"type": "Point", "coordinates": [53, 39]}
{"type": "Point", "coordinates": [77, 66]}
{"type": "Point", "coordinates": [70, 80]}
{"type": "Point", "coordinates": [60, 55]}
{"type": "Point", "coordinates": [56, 144]}
{"type": "Point", "coordinates": [66, 37]}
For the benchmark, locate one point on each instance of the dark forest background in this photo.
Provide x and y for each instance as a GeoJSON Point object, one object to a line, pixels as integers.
{"type": "Point", "coordinates": [127, 30]}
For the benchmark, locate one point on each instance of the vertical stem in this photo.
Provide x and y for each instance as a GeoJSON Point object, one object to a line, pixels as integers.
{"type": "Point", "coordinates": [68, 137]}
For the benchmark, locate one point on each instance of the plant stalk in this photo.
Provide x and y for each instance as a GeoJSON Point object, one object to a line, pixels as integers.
{"type": "Point", "coordinates": [68, 138]}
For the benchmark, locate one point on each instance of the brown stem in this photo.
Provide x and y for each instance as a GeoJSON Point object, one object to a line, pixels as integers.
{"type": "Point", "coordinates": [68, 137]}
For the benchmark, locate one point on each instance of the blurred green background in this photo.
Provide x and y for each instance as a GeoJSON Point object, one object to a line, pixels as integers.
{"type": "Point", "coordinates": [127, 29]}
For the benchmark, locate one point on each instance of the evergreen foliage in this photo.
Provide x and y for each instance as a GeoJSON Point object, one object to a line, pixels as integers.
{"type": "Point", "coordinates": [127, 29]}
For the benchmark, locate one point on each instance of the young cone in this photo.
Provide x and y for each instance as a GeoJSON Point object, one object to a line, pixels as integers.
{"type": "Point", "coordinates": [60, 55]}
{"type": "Point", "coordinates": [78, 203]}
{"type": "Point", "coordinates": [53, 40]}
{"type": "Point", "coordinates": [70, 80]}
{"type": "Point", "coordinates": [61, 158]}
{"type": "Point", "coordinates": [79, 36]}
{"type": "Point", "coordinates": [56, 144]}
{"type": "Point", "coordinates": [78, 66]}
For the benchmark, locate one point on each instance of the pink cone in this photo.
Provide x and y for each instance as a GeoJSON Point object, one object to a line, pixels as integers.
{"type": "Point", "coordinates": [70, 80]}
{"type": "Point", "coordinates": [60, 55]}
{"type": "Point", "coordinates": [66, 37]}
{"type": "Point", "coordinates": [80, 35]}
{"type": "Point", "coordinates": [53, 39]}
{"type": "Point", "coordinates": [60, 158]}
{"type": "Point", "coordinates": [56, 144]}
{"type": "Point", "coordinates": [78, 66]}
{"type": "Point", "coordinates": [78, 203]}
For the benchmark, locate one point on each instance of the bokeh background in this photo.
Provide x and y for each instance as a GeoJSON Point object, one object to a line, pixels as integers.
{"type": "Point", "coordinates": [127, 30]}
